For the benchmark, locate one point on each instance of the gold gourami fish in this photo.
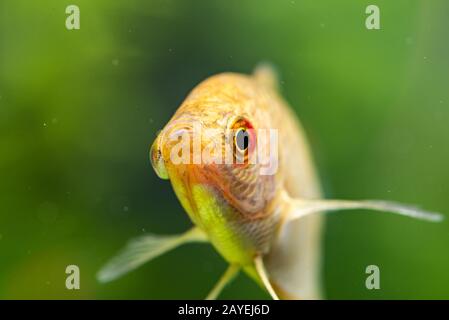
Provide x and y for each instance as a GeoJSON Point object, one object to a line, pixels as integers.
{"type": "Point", "coordinates": [268, 224]}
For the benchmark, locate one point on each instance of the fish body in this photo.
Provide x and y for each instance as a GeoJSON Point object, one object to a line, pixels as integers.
{"type": "Point", "coordinates": [239, 209]}
{"type": "Point", "coordinates": [239, 163]}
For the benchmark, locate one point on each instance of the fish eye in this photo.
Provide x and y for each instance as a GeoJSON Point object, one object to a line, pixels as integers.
{"type": "Point", "coordinates": [241, 139]}
{"type": "Point", "coordinates": [244, 140]}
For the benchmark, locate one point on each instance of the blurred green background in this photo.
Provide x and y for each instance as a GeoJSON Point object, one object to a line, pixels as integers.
{"type": "Point", "coordinates": [79, 109]}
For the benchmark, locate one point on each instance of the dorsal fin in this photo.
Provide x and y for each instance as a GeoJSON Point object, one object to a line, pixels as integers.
{"type": "Point", "coordinates": [265, 74]}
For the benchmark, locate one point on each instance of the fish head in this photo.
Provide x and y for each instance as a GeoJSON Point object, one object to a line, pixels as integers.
{"type": "Point", "coordinates": [210, 151]}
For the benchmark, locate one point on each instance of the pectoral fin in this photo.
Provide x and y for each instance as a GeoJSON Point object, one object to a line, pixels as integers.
{"type": "Point", "coordinates": [303, 207]}
{"type": "Point", "coordinates": [144, 249]}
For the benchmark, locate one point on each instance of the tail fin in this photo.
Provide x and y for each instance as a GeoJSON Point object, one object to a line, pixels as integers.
{"type": "Point", "coordinates": [294, 263]}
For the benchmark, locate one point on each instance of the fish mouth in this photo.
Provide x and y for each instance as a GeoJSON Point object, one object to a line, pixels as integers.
{"type": "Point", "coordinates": [181, 177]}
{"type": "Point", "coordinates": [157, 161]}
{"type": "Point", "coordinates": [193, 188]}
{"type": "Point", "coordinates": [160, 151]}
{"type": "Point", "coordinates": [195, 185]}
